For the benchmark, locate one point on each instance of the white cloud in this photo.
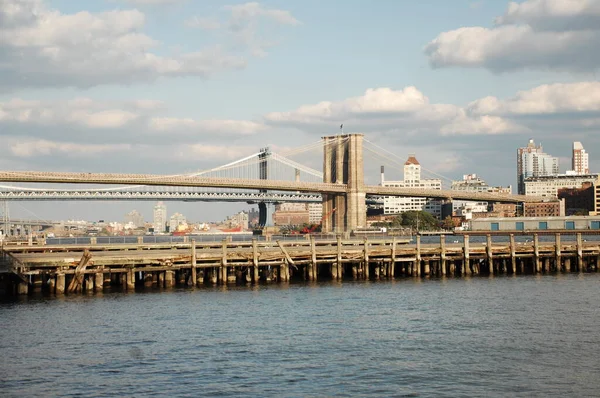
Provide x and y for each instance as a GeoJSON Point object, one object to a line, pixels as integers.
{"type": "Point", "coordinates": [42, 47]}
{"type": "Point", "coordinates": [203, 23]}
{"type": "Point", "coordinates": [408, 112]}
{"type": "Point", "coordinates": [252, 10]}
{"type": "Point", "coordinates": [482, 125]}
{"type": "Point", "coordinates": [30, 148]}
{"type": "Point", "coordinates": [83, 112]}
{"type": "Point", "coordinates": [152, 2]}
{"type": "Point", "coordinates": [192, 126]}
{"type": "Point", "coordinates": [561, 98]}
{"type": "Point", "coordinates": [247, 25]}
{"type": "Point", "coordinates": [556, 15]}
{"type": "Point", "coordinates": [561, 35]}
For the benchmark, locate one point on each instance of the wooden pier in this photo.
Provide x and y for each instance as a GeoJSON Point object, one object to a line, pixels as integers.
{"type": "Point", "coordinates": [76, 268]}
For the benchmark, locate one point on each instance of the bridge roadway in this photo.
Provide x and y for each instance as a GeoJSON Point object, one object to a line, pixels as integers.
{"type": "Point", "coordinates": [240, 183]}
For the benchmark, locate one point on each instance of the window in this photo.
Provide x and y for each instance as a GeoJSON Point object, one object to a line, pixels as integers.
{"type": "Point", "coordinates": [543, 225]}
{"type": "Point", "coordinates": [495, 226]}
{"type": "Point", "coordinates": [570, 225]}
{"type": "Point", "coordinates": [595, 225]}
{"type": "Point", "coordinates": [520, 226]}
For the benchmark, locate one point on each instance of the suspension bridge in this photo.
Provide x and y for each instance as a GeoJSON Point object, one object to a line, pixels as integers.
{"type": "Point", "coordinates": [263, 177]}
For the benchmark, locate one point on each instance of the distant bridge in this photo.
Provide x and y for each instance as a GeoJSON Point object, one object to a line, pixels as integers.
{"type": "Point", "coordinates": [263, 177]}
{"type": "Point", "coordinates": [311, 188]}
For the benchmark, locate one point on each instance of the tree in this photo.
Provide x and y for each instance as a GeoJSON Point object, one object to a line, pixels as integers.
{"type": "Point", "coordinates": [448, 223]}
{"type": "Point", "coordinates": [419, 220]}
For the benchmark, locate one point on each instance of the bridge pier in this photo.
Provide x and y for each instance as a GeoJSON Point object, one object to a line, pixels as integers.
{"type": "Point", "coordinates": [343, 164]}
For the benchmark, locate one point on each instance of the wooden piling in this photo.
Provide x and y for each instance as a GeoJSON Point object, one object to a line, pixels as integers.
{"type": "Point", "coordinates": [223, 268]}
{"type": "Point", "coordinates": [339, 266]}
{"type": "Point", "coordinates": [254, 261]}
{"type": "Point", "coordinates": [580, 264]}
{"type": "Point", "coordinates": [194, 278]}
{"type": "Point", "coordinates": [366, 258]}
{"type": "Point", "coordinates": [99, 281]}
{"type": "Point", "coordinates": [537, 266]}
{"type": "Point", "coordinates": [313, 260]}
{"type": "Point", "coordinates": [60, 283]}
{"type": "Point", "coordinates": [557, 252]}
{"type": "Point", "coordinates": [466, 256]}
{"type": "Point", "coordinates": [393, 258]}
{"type": "Point", "coordinates": [443, 254]}
{"type": "Point", "coordinates": [131, 279]}
{"type": "Point", "coordinates": [417, 271]}
{"type": "Point", "coordinates": [489, 254]}
{"type": "Point", "coordinates": [513, 256]}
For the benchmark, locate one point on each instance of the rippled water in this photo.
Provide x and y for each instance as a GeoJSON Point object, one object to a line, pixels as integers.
{"type": "Point", "coordinates": [517, 336]}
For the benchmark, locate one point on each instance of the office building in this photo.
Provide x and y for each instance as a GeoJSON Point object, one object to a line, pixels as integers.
{"type": "Point", "coordinates": [533, 162]}
{"type": "Point", "coordinates": [548, 186]}
{"type": "Point", "coordinates": [177, 222]}
{"type": "Point", "coordinates": [159, 217]}
{"type": "Point", "coordinates": [135, 218]}
{"type": "Point", "coordinates": [412, 179]}
{"type": "Point", "coordinates": [580, 159]}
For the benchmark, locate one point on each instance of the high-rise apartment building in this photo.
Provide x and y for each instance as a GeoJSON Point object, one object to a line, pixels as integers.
{"type": "Point", "coordinates": [580, 160]}
{"type": "Point", "coordinates": [412, 179]}
{"type": "Point", "coordinates": [160, 217]}
{"type": "Point", "coordinates": [533, 162]}
{"type": "Point", "coordinates": [135, 218]}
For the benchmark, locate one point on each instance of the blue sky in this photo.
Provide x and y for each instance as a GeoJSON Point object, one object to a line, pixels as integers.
{"type": "Point", "coordinates": [166, 86]}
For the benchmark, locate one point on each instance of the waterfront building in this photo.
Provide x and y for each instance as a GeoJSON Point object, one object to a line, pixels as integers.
{"type": "Point", "coordinates": [412, 179]}
{"type": "Point", "coordinates": [548, 186]}
{"type": "Point", "coordinates": [580, 159]}
{"type": "Point", "coordinates": [238, 220]}
{"type": "Point", "coordinates": [135, 218]}
{"type": "Point", "coordinates": [535, 223]}
{"type": "Point", "coordinates": [159, 217]}
{"type": "Point", "coordinates": [291, 214]}
{"type": "Point", "coordinates": [578, 201]}
{"type": "Point", "coordinates": [177, 222]}
{"type": "Point", "coordinates": [315, 213]}
{"type": "Point", "coordinates": [553, 208]}
{"type": "Point", "coordinates": [533, 162]}
{"type": "Point", "coordinates": [474, 183]}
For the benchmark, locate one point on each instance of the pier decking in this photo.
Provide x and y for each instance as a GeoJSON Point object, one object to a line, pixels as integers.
{"type": "Point", "coordinates": [63, 269]}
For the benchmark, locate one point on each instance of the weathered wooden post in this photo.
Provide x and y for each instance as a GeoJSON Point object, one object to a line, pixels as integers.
{"type": "Point", "coordinates": [393, 259]}
{"type": "Point", "coordinates": [313, 260]}
{"type": "Point", "coordinates": [194, 280]}
{"type": "Point", "coordinates": [489, 254]}
{"type": "Point", "coordinates": [580, 264]}
{"type": "Point", "coordinates": [513, 256]}
{"type": "Point", "coordinates": [223, 268]}
{"type": "Point", "coordinates": [169, 278]}
{"type": "Point", "coordinates": [60, 283]}
{"type": "Point", "coordinates": [99, 281]}
{"type": "Point", "coordinates": [417, 268]}
{"type": "Point", "coordinates": [255, 261]}
{"type": "Point", "coordinates": [466, 255]}
{"type": "Point", "coordinates": [130, 279]}
{"type": "Point", "coordinates": [336, 272]}
{"type": "Point", "coordinates": [366, 258]}
{"type": "Point", "coordinates": [443, 254]}
{"type": "Point", "coordinates": [567, 264]}
{"type": "Point", "coordinates": [537, 267]}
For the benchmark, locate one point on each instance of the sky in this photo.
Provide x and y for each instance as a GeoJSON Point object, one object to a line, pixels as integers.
{"type": "Point", "coordinates": [173, 86]}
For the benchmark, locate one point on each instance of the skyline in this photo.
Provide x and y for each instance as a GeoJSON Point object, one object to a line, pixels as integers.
{"type": "Point", "coordinates": [178, 86]}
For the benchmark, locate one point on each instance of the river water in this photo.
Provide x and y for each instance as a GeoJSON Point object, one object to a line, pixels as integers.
{"type": "Point", "coordinates": [511, 336]}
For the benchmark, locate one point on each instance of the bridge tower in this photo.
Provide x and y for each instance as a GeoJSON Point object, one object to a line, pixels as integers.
{"type": "Point", "coordinates": [4, 218]}
{"type": "Point", "coordinates": [265, 209]}
{"type": "Point", "coordinates": [343, 164]}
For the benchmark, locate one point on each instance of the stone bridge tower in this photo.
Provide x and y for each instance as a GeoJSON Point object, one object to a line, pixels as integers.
{"type": "Point", "coordinates": [343, 164]}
